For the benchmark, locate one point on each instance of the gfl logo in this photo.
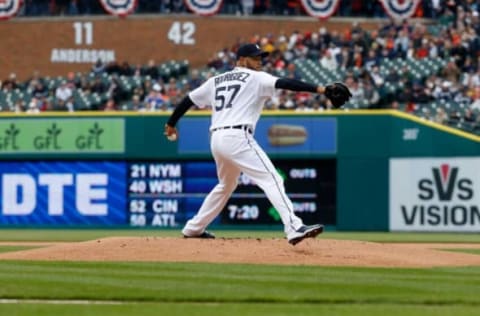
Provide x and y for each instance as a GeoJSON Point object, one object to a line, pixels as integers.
{"type": "Point", "coordinates": [9, 140]}
{"type": "Point", "coordinates": [446, 184]}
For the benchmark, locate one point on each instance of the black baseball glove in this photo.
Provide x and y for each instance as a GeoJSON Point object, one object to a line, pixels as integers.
{"type": "Point", "coordinates": [338, 94]}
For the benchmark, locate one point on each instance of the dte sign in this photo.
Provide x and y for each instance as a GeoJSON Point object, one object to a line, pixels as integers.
{"type": "Point", "coordinates": [19, 194]}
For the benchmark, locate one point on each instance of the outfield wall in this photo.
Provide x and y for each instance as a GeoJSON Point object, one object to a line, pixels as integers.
{"type": "Point", "coordinates": [57, 45]}
{"type": "Point", "coordinates": [362, 170]}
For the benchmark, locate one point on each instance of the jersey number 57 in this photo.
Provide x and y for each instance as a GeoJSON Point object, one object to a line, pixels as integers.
{"type": "Point", "coordinates": [225, 93]}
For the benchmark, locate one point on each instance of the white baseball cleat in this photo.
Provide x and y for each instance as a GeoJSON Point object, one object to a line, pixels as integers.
{"type": "Point", "coordinates": [310, 231]}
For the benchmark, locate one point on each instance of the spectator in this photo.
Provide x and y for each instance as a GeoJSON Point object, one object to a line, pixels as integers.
{"type": "Point", "coordinates": [174, 6]}
{"type": "Point", "coordinates": [137, 72]}
{"type": "Point", "coordinates": [371, 95]}
{"type": "Point", "coordinates": [292, 72]}
{"type": "Point", "coordinates": [419, 94]}
{"type": "Point", "coordinates": [98, 86]}
{"type": "Point", "coordinates": [84, 84]}
{"type": "Point", "coordinates": [64, 105]}
{"type": "Point", "coordinates": [136, 105]}
{"type": "Point", "coordinates": [395, 105]}
{"type": "Point", "coordinates": [401, 43]}
{"type": "Point", "coordinates": [232, 7]}
{"type": "Point", "coordinates": [371, 60]}
{"type": "Point", "coordinates": [303, 107]}
{"type": "Point", "coordinates": [462, 96]}
{"type": "Point", "coordinates": [376, 77]}
{"type": "Point", "coordinates": [282, 44]}
{"type": "Point", "coordinates": [317, 105]}
{"type": "Point", "coordinates": [151, 70]}
{"type": "Point", "coordinates": [314, 45]}
{"type": "Point", "coordinates": [247, 6]}
{"type": "Point", "coordinates": [125, 69]}
{"type": "Point", "coordinates": [155, 99]}
{"type": "Point", "coordinates": [476, 99]}
{"type": "Point", "coordinates": [172, 88]}
{"type": "Point", "coordinates": [146, 87]}
{"type": "Point", "coordinates": [19, 106]}
{"type": "Point", "coordinates": [33, 107]}
{"type": "Point", "coordinates": [469, 116]}
{"type": "Point", "coordinates": [475, 78]}
{"type": "Point", "coordinates": [328, 61]}
{"type": "Point", "coordinates": [424, 50]}
{"type": "Point", "coordinates": [34, 79]}
{"type": "Point", "coordinates": [217, 61]}
{"type": "Point", "coordinates": [444, 91]}
{"type": "Point", "coordinates": [356, 88]}
{"type": "Point", "coordinates": [147, 107]}
{"type": "Point", "coordinates": [434, 8]}
{"type": "Point", "coordinates": [36, 7]}
{"type": "Point", "coordinates": [285, 100]}
{"type": "Point", "coordinates": [61, 7]}
{"type": "Point", "coordinates": [194, 80]}
{"type": "Point", "coordinates": [64, 91]}
{"type": "Point", "coordinates": [112, 68]}
{"type": "Point", "coordinates": [411, 107]}
{"type": "Point", "coordinates": [99, 67]}
{"type": "Point", "coordinates": [114, 90]}
{"type": "Point", "coordinates": [451, 72]}
{"type": "Point", "coordinates": [72, 81]}
{"type": "Point", "coordinates": [344, 58]}
{"type": "Point", "coordinates": [39, 90]}
{"type": "Point", "coordinates": [10, 83]}
{"type": "Point", "coordinates": [110, 105]}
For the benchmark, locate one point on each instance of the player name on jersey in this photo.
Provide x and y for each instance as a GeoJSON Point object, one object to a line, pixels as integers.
{"type": "Point", "coordinates": [232, 76]}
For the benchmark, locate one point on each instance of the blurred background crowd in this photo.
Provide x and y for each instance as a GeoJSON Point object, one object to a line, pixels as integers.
{"type": "Point", "coordinates": [429, 68]}
{"type": "Point", "coordinates": [350, 8]}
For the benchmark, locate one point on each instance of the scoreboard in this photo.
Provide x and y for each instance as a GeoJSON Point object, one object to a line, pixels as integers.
{"type": "Point", "coordinates": [167, 194]}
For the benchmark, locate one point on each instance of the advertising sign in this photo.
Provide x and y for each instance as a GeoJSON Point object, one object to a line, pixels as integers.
{"type": "Point", "coordinates": [58, 135]}
{"type": "Point", "coordinates": [276, 135]}
{"type": "Point", "coordinates": [62, 193]}
{"type": "Point", "coordinates": [435, 194]}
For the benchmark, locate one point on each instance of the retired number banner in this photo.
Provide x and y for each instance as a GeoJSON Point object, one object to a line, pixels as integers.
{"type": "Point", "coordinates": [322, 9]}
{"type": "Point", "coordinates": [9, 8]}
{"type": "Point", "coordinates": [400, 9]}
{"type": "Point", "coordinates": [120, 8]}
{"type": "Point", "coordinates": [204, 7]}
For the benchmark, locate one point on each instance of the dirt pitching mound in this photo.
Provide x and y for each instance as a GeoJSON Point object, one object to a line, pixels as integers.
{"type": "Point", "coordinates": [325, 252]}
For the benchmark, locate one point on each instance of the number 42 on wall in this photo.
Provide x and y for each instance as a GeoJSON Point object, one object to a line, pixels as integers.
{"type": "Point", "coordinates": [181, 33]}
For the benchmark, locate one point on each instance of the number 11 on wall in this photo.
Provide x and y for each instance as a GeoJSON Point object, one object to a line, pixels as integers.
{"type": "Point", "coordinates": [83, 33]}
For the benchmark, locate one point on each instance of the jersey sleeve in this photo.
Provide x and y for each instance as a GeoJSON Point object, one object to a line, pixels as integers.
{"type": "Point", "coordinates": [267, 84]}
{"type": "Point", "coordinates": [201, 96]}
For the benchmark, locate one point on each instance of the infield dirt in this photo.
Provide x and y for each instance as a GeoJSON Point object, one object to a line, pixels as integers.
{"type": "Point", "coordinates": [325, 252]}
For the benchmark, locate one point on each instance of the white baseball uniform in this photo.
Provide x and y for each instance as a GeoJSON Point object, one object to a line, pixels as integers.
{"type": "Point", "coordinates": [237, 98]}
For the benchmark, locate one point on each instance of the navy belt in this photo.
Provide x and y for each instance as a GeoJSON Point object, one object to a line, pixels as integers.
{"type": "Point", "coordinates": [242, 127]}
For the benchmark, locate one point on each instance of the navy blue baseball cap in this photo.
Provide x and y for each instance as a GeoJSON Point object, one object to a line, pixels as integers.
{"type": "Point", "coordinates": [250, 50]}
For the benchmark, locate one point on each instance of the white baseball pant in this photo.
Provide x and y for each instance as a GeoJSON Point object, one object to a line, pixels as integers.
{"type": "Point", "coordinates": [235, 151]}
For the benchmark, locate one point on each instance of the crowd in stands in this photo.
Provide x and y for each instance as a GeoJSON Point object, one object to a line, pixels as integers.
{"type": "Point", "coordinates": [350, 8]}
{"type": "Point", "coordinates": [430, 70]}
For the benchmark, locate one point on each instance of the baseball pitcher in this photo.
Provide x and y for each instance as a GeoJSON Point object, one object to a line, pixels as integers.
{"type": "Point", "coordinates": [237, 98]}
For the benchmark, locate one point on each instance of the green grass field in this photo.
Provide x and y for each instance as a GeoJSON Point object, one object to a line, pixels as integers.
{"type": "Point", "coordinates": [99, 288]}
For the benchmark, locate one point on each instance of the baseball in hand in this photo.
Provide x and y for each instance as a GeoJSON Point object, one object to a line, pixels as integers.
{"type": "Point", "coordinates": [172, 137]}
